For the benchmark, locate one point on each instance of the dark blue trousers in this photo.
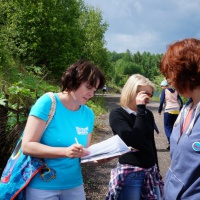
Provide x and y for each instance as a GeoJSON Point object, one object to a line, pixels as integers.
{"type": "Point", "coordinates": [169, 120]}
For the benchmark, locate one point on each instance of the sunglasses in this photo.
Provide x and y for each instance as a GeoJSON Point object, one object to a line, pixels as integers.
{"type": "Point", "coordinates": [47, 173]}
{"type": "Point", "coordinates": [149, 94]}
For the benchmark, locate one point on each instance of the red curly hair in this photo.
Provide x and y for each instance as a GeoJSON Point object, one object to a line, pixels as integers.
{"type": "Point", "coordinates": [181, 64]}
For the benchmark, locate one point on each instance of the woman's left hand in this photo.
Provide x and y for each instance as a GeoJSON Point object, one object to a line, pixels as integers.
{"type": "Point", "coordinates": [142, 98]}
{"type": "Point", "coordinates": [102, 161]}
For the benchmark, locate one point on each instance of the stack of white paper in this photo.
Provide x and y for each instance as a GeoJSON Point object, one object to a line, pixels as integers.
{"type": "Point", "coordinates": [109, 148]}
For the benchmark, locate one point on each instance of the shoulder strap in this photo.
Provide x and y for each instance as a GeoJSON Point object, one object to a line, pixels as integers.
{"type": "Point", "coordinates": [52, 110]}
{"type": "Point", "coordinates": [51, 114]}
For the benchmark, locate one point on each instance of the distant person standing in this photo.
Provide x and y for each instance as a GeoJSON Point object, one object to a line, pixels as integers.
{"type": "Point", "coordinates": [164, 84]}
{"type": "Point", "coordinates": [104, 89]}
{"type": "Point", "coordinates": [173, 104]}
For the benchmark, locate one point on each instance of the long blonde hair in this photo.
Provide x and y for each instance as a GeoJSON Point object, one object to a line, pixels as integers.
{"type": "Point", "coordinates": [130, 88]}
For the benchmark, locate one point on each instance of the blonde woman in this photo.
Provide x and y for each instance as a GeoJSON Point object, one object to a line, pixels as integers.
{"type": "Point", "coordinates": [136, 175]}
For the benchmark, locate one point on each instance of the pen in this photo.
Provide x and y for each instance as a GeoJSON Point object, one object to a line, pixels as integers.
{"type": "Point", "coordinates": [76, 140]}
{"type": "Point", "coordinates": [79, 149]}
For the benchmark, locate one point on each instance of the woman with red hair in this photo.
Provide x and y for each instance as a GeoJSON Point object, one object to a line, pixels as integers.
{"type": "Point", "coordinates": [181, 67]}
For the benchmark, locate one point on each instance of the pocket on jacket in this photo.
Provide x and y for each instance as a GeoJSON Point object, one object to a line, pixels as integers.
{"type": "Point", "coordinates": [172, 186]}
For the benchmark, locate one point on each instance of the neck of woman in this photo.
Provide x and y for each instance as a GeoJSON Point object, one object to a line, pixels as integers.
{"type": "Point", "coordinates": [68, 101]}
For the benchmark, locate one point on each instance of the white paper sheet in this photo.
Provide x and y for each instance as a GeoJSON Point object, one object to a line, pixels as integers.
{"type": "Point", "coordinates": [111, 147]}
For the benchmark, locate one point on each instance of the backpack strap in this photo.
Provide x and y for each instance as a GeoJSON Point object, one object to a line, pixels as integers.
{"type": "Point", "coordinates": [50, 115]}
{"type": "Point", "coordinates": [52, 110]}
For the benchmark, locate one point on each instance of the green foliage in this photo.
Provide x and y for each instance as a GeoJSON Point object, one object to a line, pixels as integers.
{"type": "Point", "coordinates": [52, 33]}
{"type": "Point", "coordinates": [184, 99]}
{"type": "Point", "coordinates": [114, 89]}
{"type": "Point", "coordinates": [97, 104]}
{"type": "Point", "coordinates": [44, 33]}
{"type": "Point", "coordinates": [2, 101]}
{"type": "Point", "coordinates": [123, 65]}
{"type": "Point", "coordinates": [21, 89]}
{"type": "Point", "coordinates": [94, 29]}
{"type": "Point", "coordinates": [157, 80]}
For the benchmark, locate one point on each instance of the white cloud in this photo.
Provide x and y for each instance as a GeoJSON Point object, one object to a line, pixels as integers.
{"type": "Point", "coordinates": [122, 42]}
{"type": "Point", "coordinates": [143, 25]}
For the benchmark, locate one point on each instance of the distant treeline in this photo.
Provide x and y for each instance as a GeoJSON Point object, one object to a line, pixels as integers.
{"type": "Point", "coordinates": [122, 65]}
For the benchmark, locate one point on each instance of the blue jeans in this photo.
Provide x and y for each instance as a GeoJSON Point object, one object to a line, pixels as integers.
{"type": "Point", "coordinates": [133, 186]}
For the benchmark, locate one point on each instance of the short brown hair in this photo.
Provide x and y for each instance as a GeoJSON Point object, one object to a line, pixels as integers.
{"type": "Point", "coordinates": [181, 64]}
{"type": "Point", "coordinates": [79, 72]}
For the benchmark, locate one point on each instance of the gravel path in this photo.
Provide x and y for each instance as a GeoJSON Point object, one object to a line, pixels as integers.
{"type": "Point", "coordinates": [96, 177]}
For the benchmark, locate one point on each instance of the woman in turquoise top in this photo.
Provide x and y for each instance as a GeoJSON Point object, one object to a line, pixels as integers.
{"type": "Point", "coordinates": [72, 123]}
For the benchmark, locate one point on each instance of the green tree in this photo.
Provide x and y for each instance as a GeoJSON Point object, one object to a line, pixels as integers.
{"type": "Point", "coordinates": [44, 33]}
{"type": "Point", "coordinates": [53, 33]}
{"type": "Point", "coordinates": [126, 64]}
{"type": "Point", "coordinates": [94, 29]}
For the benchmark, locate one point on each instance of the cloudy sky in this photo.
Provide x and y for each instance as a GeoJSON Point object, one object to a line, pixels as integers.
{"type": "Point", "coordinates": [148, 25]}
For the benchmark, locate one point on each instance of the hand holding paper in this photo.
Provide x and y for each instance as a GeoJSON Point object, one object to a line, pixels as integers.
{"type": "Point", "coordinates": [109, 148]}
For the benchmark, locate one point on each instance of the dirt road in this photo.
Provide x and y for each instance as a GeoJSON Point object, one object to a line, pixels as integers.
{"type": "Point", "coordinates": [96, 178]}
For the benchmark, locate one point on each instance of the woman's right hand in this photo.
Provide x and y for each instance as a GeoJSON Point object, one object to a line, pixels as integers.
{"type": "Point", "coordinates": [76, 151]}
